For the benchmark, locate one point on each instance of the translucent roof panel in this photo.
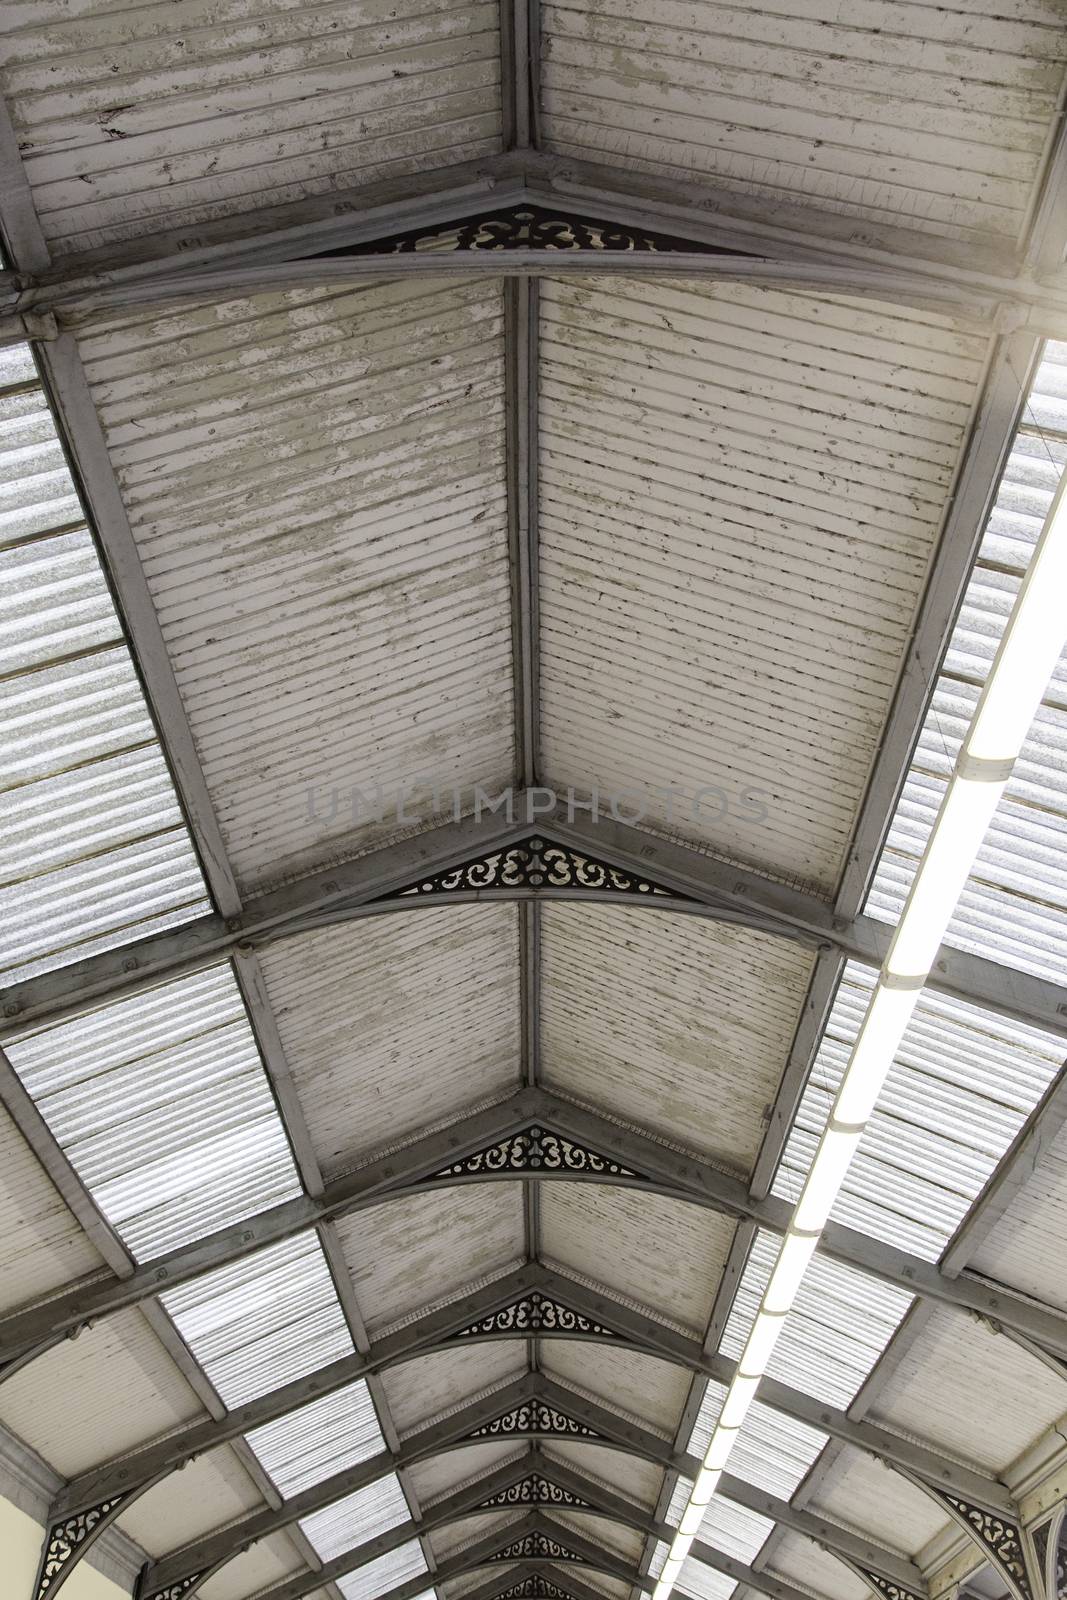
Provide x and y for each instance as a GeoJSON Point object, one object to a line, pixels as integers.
{"type": "Point", "coordinates": [94, 851]}
{"type": "Point", "coordinates": [963, 1084]}
{"type": "Point", "coordinates": [840, 1324]}
{"type": "Point", "coordinates": [731, 1528]}
{"type": "Point", "coordinates": [262, 1322]}
{"type": "Point", "coordinates": [773, 1452]}
{"type": "Point", "coordinates": [325, 1437]}
{"type": "Point", "coordinates": [379, 1576]}
{"type": "Point", "coordinates": [704, 1582]}
{"type": "Point", "coordinates": [161, 1104]}
{"type": "Point", "coordinates": [357, 1518]}
{"type": "Point", "coordinates": [735, 1529]}
{"type": "Point", "coordinates": [1014, 906]}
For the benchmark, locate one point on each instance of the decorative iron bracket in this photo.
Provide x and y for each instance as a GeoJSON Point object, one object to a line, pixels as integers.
{"type": "Point", "coordinates": [528, 227]}
{"type": "Point", "coordinates": [533, 1588]}
{"type": "Point", "coordinates": [534, 1490]}
{"type": "Point", "coordinates": [536, 1150]}
{"type": "Point", "coordinates": [1001, 1542]}
{"type": "Point", "coordinates": [534, 1417]}
{"type": "Point", "coordinates": [538, 864]}
{"type": "Point", "coordinates": [176, 1591]}
{"type": "Point", "coordinates": [537, 1547]}
{"type": "Point", "coordinates": [68, 1540]}
{"type": "Point", "coordinates": [884, 1586]}
{"type": "Point", "coordinates": [535, 1314]}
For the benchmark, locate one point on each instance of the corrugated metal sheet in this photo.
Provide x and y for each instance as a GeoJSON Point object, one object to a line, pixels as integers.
{"type": "Point", "coordinates": [316, 486]}
{"type": "Point", "coordinates": [357, 1518]}
{"type": "Point", "coordinates": [265, 1564]}
{"type": "Point", "coordinates": [36, 492]}
{"type": "Point", "coordinates": [678, 1025]}
{"type": "Point", "coordinates": [861, 1492]}
{"type": "Point", "coordinates": [740, 490]}
{"type": "Point", "coordinates": [645, 1388]}
{"type": "Point", "coordinates": [895, 112]}
{"type": "Point", "coordinates": [135, 120]}
{"type": "Point", "coordinates": [384, 1573]}
{"type": "Point", "coordinates": [613, 1588]}
{"type": "Point", "coordinates": [931, 1392]}
{"type": "Point", "coordinates": [448, 1540]}
{"type": "Point", "coordinates": [93, 848]}
{"type": "Point", "coordinates": [110, 1390]}
{"type": "Point", "coordinates": [208, 1493]}
{"type": "Point", "coordinates": [666, 1255]}
{"type": "Point", "coordinates": [1025, 1248]}
{"type": "Point", "coordinates": [161, 1105]}
{"type": "Point", "coordinates": [801, 1562]}
{"type": "Point", "coordinates": [471, 1581]}
{"type": "Point", "coordinates": [318, 1440]}
{"type": "Point", "coordinates": [637, 1480]}
{"type": "Point", "coordinates": [419, 1391]}
{"type": "Point", "coordinates": [612, 1536]}
{"type": "Point", "coordinates": [423, 1248]}
{"type": "Point", "coordinates": [262, 1322]}
{"type": "Point", "coordinates": [704, 1582]}
{"type": "Point", "coordinates": [440, 1475]}
{"type": "Point", "coordinates": [773, 1452]}
{"type": "Point", "coordinates": [963, 1084]}
{"type": "Point", "coordinates": [736, 1530]}
{"type": "Point", "coordinates": [368, 1011]}
{"type": "Point", "coordinates": [840, 1324]}
{"type": "Point", "coordinates": [1014, 907]}
{"type": "Point", "coordinates": [42, 1245]}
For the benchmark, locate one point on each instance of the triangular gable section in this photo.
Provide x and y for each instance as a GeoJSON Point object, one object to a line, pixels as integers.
{"type": "Point", "coordinates": [536, 1150]}
{"type": "Point", "coordinates": [534, 1588]}
{"type": "Point", "coordinates": [534, 1417]}
{"type": "Point", "coordinates": [528, 226]}
{"type": "Point", "coordinates": [535, 1547]}
{"type": "Point", "coordinates": [535, 864]}
{"type": "Point", "coordinates": [535, 1314]}
{"type": "Point", "coordinates": [534, 1490]}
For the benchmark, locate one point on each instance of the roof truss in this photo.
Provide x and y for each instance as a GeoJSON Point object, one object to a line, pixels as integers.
{"type": "Point", "coordinates": [534, 1408]}
{"type": "Point", "coordinates": [533, 1135]}
{"type": "Point", "coordinates": [607, 861]}
{"type": "Point", "coordinates": [691, 229]}
{"type": "Point", "coordinates": [782, 253]}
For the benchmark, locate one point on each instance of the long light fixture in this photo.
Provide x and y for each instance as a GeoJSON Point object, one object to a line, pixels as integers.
{"type": "Point", "coordinates": [1024, 663]}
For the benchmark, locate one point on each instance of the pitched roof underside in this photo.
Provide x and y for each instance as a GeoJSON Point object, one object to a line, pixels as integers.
{"type": "Point", "coordinates": [411, 1194]}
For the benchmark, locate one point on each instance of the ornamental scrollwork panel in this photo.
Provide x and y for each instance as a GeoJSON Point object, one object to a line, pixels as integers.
{"type": "Point", "coordinates": [67, 1539]}
{"type": "Point", "coordinates": [535, 864]}
{"type": "Point", "coordinates": [892, 1591]}
{"type": "Point", "coordinates": [528, 227]}
{"type": "Point", "coordinates": [1000, 1538]}
{"type": "Point", "coordinates": [533, 1588]}
{"type": "Point", "coordinates": [535, 1149]}
{"type": "Point", "coordinates": [176, 1591]}
{"type": "Point", "coordinates": [534, 1491]}
{"type": "Point", "coordinates": [535, 1547]}
{"type": "Point", "coordinates": [534, 1416]}
{"type": "Point", "coordinates": [535, 1314]}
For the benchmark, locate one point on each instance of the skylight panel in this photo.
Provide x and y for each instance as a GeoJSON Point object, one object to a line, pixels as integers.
{"type": "Point", "coordinates": [94, 851]}
{"type": "Point", "coordinates": [357, 1518]}
{"type": "Point", "coordinates": [264, 1321]}
{"type": "Point", "coordinates": [383, 1574]}
{"type": "Point", "coordinates": [841, 1323]}
{"type": "Point", "coordinates": [1014, 907]}
{"type": "Point", "coordinates": [320, 1439]}
{"type": "Point", "coordinates": [161, 1105]}
{"type": "Point", "coordinates": [963, 1083]}
{"type": "Point", "coordinates": [774, 1452]}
